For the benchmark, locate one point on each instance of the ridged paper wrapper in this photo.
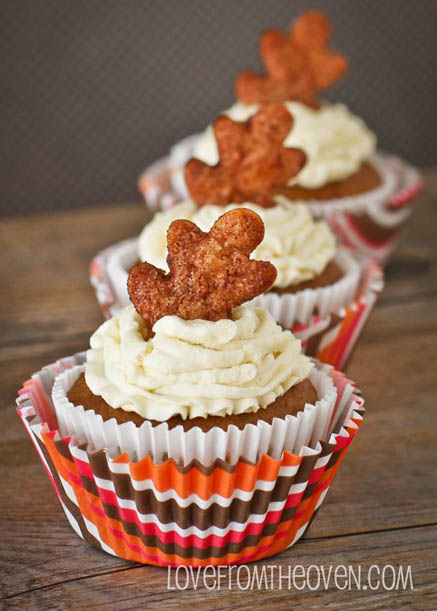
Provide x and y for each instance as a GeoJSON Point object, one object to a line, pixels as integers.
{"type": "Point", "coordinates": [196, 508]}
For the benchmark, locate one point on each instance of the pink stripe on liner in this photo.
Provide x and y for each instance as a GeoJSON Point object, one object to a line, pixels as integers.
{"type": "Point", "coordinates": [342, 442]}
{"type": "Point", "coordinates": [83, 467]}
{"type": "Point", "coordinates": [299, 514]}
{"type": "Point", "coordinates": [302, 326]}
{"type": "Point", "coordinates": [406, 196]}
{"type": "Point", "coordinates": [316, 474]}
{"type": "Point", "coordinates": [73, 478]}
{"type": "Point", "coordinates": [135, 548]}
{"type": "Point", "coordinates": [293, 500]}
{"type": "Point", "coordinates": [97, 510]}
{"type": "Point", "coordinates": [261, 549]}
{"type": "Point", "coordinates": [321, 487]}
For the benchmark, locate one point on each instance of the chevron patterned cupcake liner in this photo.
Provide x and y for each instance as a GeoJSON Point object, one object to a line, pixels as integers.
{"type": "Point", "coordinates": [174, 513]}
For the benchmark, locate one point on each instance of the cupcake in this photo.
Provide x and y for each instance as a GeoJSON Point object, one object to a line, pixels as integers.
{"type": "Point", "coordinates": [316, 283]}
{"type": "Point", "coordinates": [362, 193]}
{"type": "Point", "coordinates": [194, 432]}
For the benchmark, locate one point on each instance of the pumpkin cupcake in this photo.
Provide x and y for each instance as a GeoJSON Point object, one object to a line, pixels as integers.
{"type": "Point", "coordinates": [362, 193]}
{"type": "Point", "coordinates": [195, 431]}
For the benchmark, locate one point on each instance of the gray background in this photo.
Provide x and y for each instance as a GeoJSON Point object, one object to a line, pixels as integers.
{"type": "Point", "coordinates": [94, 90]}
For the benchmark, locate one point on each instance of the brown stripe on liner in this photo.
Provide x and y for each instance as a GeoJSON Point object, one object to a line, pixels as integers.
{"type": "Point", "coordinates": [327, 448]}
{"type": "Point", "coordinates": [312, 346]}
{"type": "Point", "coordinates": [199, 553]}
{"type": "Point", "coordinates": [124, 489]}
{"type": "Point", "coordinates": [334, 458]}
{"type": "Point", "coordinates": [336, 455]}
{"type": "Point", "coordinates": [88, 483]}
{"type": "Point", "coordinates": [72, 508]}
{"type": "Point", "coordinates": [32, 418]}
{"type": "Point", "coordinates": [63, 449]}
{"type": "Point", "coordinates": [306, 467]}
{"type": "Point", "coordinates": [309, 491]}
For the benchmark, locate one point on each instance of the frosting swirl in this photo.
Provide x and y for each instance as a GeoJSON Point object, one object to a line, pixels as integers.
{"type": "Point", "coordinates": [194, 367]}
{"type": "Point", "coordinates": [299, 247]}
{"type": "Point", "coordinates": [336, 141]}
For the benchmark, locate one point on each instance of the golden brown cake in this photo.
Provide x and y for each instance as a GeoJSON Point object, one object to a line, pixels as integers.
{"type": "Point", "coordinates": [330, 275]}
{"type": "Point", "coordinates": [365, 179]}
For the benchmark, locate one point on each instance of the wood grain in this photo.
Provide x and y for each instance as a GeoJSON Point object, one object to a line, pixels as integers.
{"type": "Point", "coordinates": [380, 510]}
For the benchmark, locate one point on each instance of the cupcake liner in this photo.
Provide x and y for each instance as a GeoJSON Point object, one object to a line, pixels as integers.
{"type": "Point", "coordinates": [194, 514]}
{"type": "Point", "coordinates": [327, 320]}
{"type": "Point", "coordinates": [370, 223]}
{"type": "Point", "coordinates": [367, 223]}
{"type": "Point", "coordinates": [300, 308]}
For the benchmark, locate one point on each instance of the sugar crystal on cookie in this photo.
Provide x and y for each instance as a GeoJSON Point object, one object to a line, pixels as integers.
{"type": "Point", "coordinates": [210, 273]}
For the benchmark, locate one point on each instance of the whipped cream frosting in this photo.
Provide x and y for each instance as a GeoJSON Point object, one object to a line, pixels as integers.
{"type": "Point", "coordinates": [335, 141]}
{"type": "Point", "coordinates": [194, 367]}
{"type": "Point", "coordinates": [299, 247]}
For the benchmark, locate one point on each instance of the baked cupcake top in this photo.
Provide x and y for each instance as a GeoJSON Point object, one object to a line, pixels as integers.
{"type": "Point", "coordinates": [187, 346]}
{"type": "Point", "coordinates": [298, 246]}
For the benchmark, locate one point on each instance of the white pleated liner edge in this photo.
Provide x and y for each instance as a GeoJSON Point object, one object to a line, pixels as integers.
{"type": "Point", "coordinates": [298, 434]}
{"type": "Point", "coordinates": [287, 309]}
{"type": "Point", "coordinates": [292, 308]}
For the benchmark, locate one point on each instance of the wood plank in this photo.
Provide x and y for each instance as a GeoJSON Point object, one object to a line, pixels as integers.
{"type": "Point", "coordinates": [135, 587]}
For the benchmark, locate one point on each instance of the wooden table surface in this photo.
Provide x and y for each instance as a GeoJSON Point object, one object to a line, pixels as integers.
{"type": "Point", "coordinates": [381, 509]}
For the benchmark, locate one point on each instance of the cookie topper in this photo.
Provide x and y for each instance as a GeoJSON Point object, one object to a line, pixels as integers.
{"type": "Point", "coordinates": [210, 273]}
{"type": "Point", "coordinates": [252, 161]}
{"type": "Point", "coordinates": [298, 64]}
